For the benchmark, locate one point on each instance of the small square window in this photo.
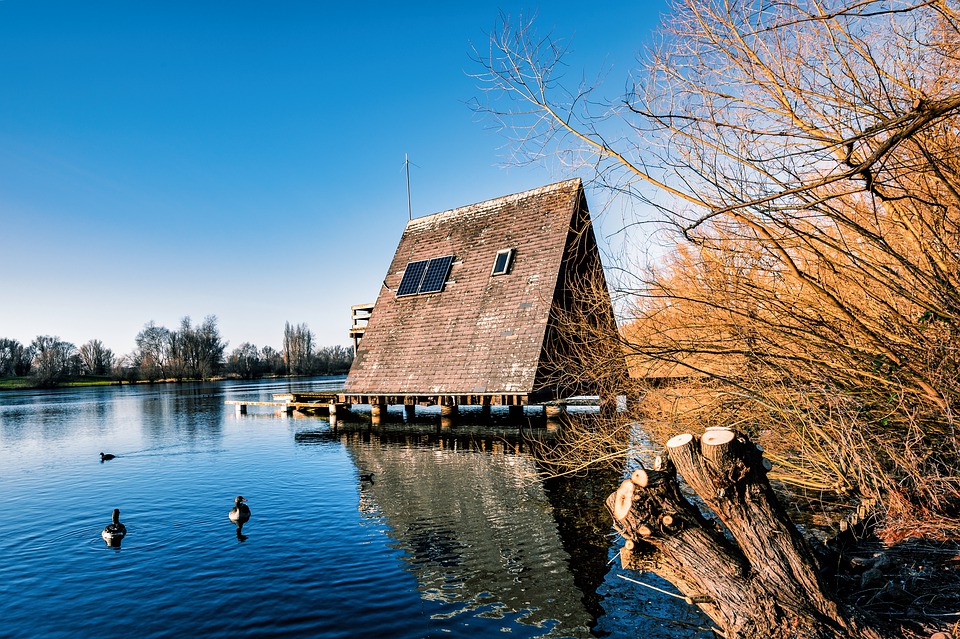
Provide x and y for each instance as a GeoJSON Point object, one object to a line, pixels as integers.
{"type": "Point", "coordinates": [501, 265]}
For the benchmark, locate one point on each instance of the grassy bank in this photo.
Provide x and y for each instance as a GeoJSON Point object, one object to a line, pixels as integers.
{"type": "Point", "coordinates": [26, 383]}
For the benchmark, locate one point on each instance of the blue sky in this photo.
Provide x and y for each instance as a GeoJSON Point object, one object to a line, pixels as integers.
{"type": "Point", "coordinates": [244, 159]}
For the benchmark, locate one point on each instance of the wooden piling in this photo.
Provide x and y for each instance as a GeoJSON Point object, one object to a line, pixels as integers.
{"type": "Point", "coordinates": [485, 413]}
{"type": "Point", "coordinates": [553, 411]}
{"type": "Point", "coordinates": [449, 410]}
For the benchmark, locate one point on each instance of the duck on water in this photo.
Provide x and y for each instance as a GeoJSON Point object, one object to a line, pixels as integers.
{"type": "Point", "coordinates": [115, 531]}
{"type": "Point", "coordinates": [105, 457]}
{"type": "Point", "coordinates": [240, 512]}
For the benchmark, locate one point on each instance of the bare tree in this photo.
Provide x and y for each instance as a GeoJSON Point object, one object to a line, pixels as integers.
{"type": "Point", "coordinates": [805, 158]}
{"type": "Point", "coordinates": [297, 348]}
{"type": "Point", "coordinates": [332, 360]}
{"type": "Point", "coordinates": [15, 358]}
{"type": "Point", "coordinates": [802, 160]}
{"type": "Point", "coordinates": [152, 351]}
{"type": "Point", "coordinates": [272, 360]}
{"type": "Point", "coordinates": [95, 358]}
{"type": "Point", "coordinates": [245, 362]}
{"type": "Point", "coordinates": [53, 361]}
{"type": "Point", "coordinates": [196, 352]}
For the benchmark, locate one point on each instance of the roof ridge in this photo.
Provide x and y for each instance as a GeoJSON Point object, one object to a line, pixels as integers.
{"type": "Point", "coordinates": [540, 190]}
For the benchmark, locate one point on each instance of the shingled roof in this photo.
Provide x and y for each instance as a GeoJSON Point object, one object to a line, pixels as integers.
{"type": "Point", "coordinates": [481, 334]}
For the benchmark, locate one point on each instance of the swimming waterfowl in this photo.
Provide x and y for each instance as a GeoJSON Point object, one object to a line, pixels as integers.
{"type": "Point", "coordinates": [366, 477]}
{"type": "Point", "coordinates": [115, 531]}
{"type": "Point", "coordinates": [105, 456]}
{"type": "Point", "coordinates": [240, 512]}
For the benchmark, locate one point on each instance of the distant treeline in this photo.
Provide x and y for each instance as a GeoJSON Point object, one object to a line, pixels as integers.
{"type": "Point", "coordinates": [188, 352]}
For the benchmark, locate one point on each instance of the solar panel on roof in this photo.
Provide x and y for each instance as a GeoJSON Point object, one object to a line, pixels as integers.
{"type": "Point", "coordinates": [436, 275]}
{"type": "Point", "coordinates": [425, 276]}
{"type": "Point", "coordinates": [412, 276]}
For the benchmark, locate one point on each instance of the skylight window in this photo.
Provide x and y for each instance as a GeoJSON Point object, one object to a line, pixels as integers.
{"type": "Point", "coordinates": [501, 265]}
{"type": "Point", "coordinates": [425, 276]}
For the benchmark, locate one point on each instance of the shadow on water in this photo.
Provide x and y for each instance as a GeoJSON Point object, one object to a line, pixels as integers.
{"type": "Point", "coordinates": [240, 536]}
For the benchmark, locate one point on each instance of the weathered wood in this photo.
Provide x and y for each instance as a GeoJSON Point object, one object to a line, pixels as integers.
{"type": "Point", "coordinates": [291, 405]}
{"type": "Point", "coordinates": [764, 584]}
{"type": "Point", "coordinates": [639, 478]}
{"type": "Point", "coordinates": [623, 499]}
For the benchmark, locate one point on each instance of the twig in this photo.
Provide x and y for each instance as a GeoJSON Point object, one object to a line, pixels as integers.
{"type": "Point", "coordinates": [653, 587]}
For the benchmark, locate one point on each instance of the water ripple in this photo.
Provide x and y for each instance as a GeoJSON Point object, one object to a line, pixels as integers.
{"type": "Point", "coordinates": [452, 538]}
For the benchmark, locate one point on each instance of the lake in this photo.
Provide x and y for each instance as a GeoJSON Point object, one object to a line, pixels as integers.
{"type": "Point", "coordinates": [455, 536]}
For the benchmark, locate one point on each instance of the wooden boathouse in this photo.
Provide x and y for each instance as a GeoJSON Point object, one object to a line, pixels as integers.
{"type": "Point", "coordinates": [469, 309]}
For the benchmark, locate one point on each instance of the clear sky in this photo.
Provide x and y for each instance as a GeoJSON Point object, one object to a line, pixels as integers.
{"type": "Point", "coordinates": [162, 159]}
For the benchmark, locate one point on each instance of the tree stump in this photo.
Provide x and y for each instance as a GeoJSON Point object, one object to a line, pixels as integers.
{"type": "Point", "coordinates": [759, 578]}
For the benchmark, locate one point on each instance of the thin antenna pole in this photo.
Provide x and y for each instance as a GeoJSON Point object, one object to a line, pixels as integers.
{"type": "Point", "coordinates": [406, 165]}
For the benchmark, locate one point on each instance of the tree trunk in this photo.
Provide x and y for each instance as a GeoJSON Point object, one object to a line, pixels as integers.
{"type": "Point", "coordinates": [763, 583]}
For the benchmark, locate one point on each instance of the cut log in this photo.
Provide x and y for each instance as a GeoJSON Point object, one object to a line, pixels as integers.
{"type": "Point", "coordinates": [624, 500]}
{"type": "Point", "coordinates": [763, 584]}
{"type": "Point", "coordinates": [717, 437]}
{"type": "Point", "coordinates": [680, 440]}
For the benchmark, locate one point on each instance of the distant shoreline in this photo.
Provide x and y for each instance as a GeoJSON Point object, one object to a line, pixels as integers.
{"type": "Point", "coordinates": [26, 383]}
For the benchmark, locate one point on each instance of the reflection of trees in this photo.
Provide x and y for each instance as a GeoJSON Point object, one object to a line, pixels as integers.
{"type": "Point", "coordinates": [476, 524]}
{"type": "Point", "coordinates": [189, 412]}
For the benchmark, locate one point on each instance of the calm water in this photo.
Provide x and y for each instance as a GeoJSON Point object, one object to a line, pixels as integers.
{"type": "Point", "coordinates": [455, 537]}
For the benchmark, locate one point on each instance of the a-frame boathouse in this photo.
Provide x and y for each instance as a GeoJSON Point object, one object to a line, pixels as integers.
{"type": "Point", "coordinates": [468, 312]}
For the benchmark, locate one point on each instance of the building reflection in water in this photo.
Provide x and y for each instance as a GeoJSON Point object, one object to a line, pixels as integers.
{"type": "Point", "coordinates": [477, 525]}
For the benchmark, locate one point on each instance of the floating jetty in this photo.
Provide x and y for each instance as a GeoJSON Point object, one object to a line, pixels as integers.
{"type": "Point", "coordinates": [334, 403]}
{"type": "Point", "coordinates": [316, 403]}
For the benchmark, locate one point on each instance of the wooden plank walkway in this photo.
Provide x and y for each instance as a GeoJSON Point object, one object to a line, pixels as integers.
{"type": "Point", "coordinates": [315, 402]}
{"type": "Point", "coordinates": [322, 396]}
{"type": "Point", "coordinates": [243, 402]}
{"type": "Point", "coordinates": [330, 402]}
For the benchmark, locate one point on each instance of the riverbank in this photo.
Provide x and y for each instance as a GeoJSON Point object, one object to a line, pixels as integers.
{"type": "Point", "coordinates": [27, 383]}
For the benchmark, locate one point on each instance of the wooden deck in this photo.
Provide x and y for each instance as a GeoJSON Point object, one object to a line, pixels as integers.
{"type": "Point", "coordinates": [331, 402]}
{"type": "Point", "coordinates": [289, 402]}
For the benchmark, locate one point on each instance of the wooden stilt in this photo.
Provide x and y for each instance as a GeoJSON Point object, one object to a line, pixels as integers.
{"type": "Point", "coordinates": [449, 410]}
{"type": "Point", "coordinates": [553, 411]}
